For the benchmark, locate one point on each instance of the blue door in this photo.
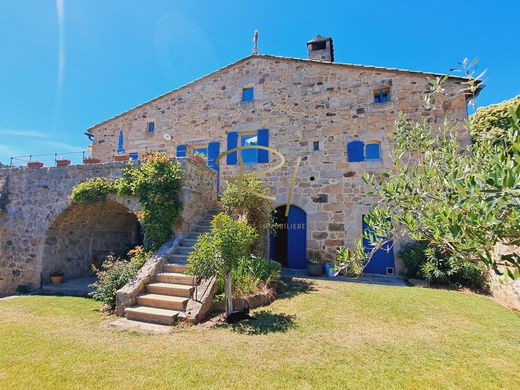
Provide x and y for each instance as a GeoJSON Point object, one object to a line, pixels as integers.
{"type": "Point", "coordinates": [382, 261]}
{"type": "Point", "coordinates": [296, 238]}
{"type": "Point", "coordinates": [289, 242]}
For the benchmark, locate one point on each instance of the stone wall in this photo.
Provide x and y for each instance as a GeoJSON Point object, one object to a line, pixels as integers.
{"type": "Point", "coordinates": [41, 232]}
{"type": "Point", "coordinates": [300, 102]}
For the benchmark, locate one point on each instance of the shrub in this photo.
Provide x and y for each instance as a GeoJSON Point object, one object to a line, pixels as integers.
{"type": "Point", "coordinates": [491, 122]}
{"type": "Point", "coordinates": [413, 257]}
{"type": "Point", "coordinates": [253, 273]}
{"type": "Point", "coordinates": [347, 260]}
{"type": "Point", "coordinates": [115, 273]}
{"type": "Point", "coordinates": [247, 199]}
{"type": "Point", "coordinates": [92, 191]}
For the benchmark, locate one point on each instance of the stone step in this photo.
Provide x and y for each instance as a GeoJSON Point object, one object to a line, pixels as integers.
{"type": "Point", "coordinates": [163, 301]}
{"type": "Point", "coordinates": [183, 250]}
{"type": "Point", "coordinates": [189, 241]}
{"type": "Point", "coordinates": [152, 314]}
{"type": "Point", "coordinates": [175, 277]}
{"type": "Point", "coordinates": [202, 229]}
{"type": "Point", "coordinates": [178, 257]}
{"type": "Point", "coordinates": [174, 267]}
{"type": "Point", "coordinates": [181, 290]}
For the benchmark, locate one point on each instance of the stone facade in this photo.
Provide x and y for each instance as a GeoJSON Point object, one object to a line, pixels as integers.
{"type": "Point", "coordinates": [301, 102]}
{"type": "Point", "coordinates": [41, 232]}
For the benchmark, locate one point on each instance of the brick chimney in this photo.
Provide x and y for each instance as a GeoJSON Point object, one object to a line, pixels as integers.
{"type": "Point", "coordinates": [320, 48]}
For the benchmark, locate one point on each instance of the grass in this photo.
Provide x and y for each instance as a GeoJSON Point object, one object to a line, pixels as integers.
{"type": "Point", "coordinates": [336, 335]}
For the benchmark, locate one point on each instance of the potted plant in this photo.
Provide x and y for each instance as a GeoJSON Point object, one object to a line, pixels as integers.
{"type": "Point", "coordinates": [35, 164]}
{"type": "Point", "coordinates": [314, 267]}
{"type": "Point", "coordinates": [91, 160]}
{"type": "Point", "coordinates": [121, 157]}
{"type": "Point", "coordinates": [329, 269]}
{"type": "Point", "coordinates": [200, 157]}
{"type": "Point", "coordinates": [57, 277]}
{"type": "Point", "coordinates": [62, 163]}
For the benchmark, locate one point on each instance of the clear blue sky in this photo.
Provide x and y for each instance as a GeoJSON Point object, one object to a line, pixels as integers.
{"type": "Point", "coordinates": [63, 69]}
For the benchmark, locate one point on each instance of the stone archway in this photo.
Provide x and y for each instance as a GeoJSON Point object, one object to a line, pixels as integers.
{"type": "Point", "coordinates": [84, 234]}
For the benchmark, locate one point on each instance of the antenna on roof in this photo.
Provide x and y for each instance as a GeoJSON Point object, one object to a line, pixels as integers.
{"type": "Point", "coordinates": [255, 42]}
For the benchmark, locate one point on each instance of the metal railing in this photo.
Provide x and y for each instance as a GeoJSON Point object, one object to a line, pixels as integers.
{"type": "Point", "coordinates": [51, 159]}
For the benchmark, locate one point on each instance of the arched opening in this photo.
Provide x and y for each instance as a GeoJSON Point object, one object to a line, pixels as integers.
{"type": "Point", "coordinates": [288, 243]}
{"type": "Point", "coordinates": [83, 235]}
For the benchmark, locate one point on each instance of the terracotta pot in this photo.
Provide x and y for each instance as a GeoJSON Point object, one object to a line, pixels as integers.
{"type": "Point", "coordinates": [199, 159]}
{"type": "Point", "coordinates": [121, 157]}
{"type": "Point", "coordinates": [91, 161]}
{"type": "Point", "coordinates": [57, 279]}
{"type": "Point", "coordinates": [62, 163]}
{"type": "Point", "coordinates": [35, 164]}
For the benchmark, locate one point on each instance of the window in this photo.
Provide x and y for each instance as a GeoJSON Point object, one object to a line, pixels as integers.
{"type": "Point", "coordinates": [134, 156]}
{"type": "Point", "coordinates": [316, 146]}
{"type": "Point", "coordinates": [249, 156]}
{"type": "Point", "coordinates": [321, 45]}
{"type": "Point", "coordinates": [382, 95]}
{"type": "Point", "coordinates": [248, 94]}
{"type": "Point", "coordinates": [373, 151]}
{"type": "Point", "coordinates": [200, 151]}
{"type": "Point", "coordinates": [151, 127]}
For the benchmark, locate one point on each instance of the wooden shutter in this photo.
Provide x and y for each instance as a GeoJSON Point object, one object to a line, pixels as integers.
{"type": "Point", "coordinates": [232, 143]}
{"type": "Point", "coordinates": [213, 152]}
{"type": "Point", "coordinates": [355, 151]}
{"type": "Point", "coordinates": [181, 150]}
{"type": "Point", "coordinates": [263, 140]}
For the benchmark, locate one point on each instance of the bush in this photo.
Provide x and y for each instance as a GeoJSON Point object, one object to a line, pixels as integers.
{"type": "Point", "coordinates": [346, 259]}
{"type": "Point", "coordinates": [422, 261]}
{"type": "Point", "coordinates": [253, 273]}
{"type": "Point", "coordinates": [491, 122]}
{"type": "Point", "coordinates": [92, 191]}
{"type": "Point", "coordinates": [115, 273]}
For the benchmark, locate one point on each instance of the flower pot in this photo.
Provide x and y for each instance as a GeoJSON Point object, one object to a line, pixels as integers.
{"type": "Point", "coordinates": [35, 164]}
{"type": "Point", "coordinates": [57, 279]}
{"type": "Point", "coordinates": [121, 157]}
{"type": "Point", "coordinates": [62, 163]}
{"type": "Point", "coordinates": [329, 270]}
{"type": "Point", "coordinates": [199, 159]}
{"type": "Point", "coordinates": [315, 269]}
{"type": "Point", "coordinates": [91, 161]}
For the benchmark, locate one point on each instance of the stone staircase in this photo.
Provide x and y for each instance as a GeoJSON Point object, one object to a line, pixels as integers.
{"type": "Point", "coordinates": [166, 296]}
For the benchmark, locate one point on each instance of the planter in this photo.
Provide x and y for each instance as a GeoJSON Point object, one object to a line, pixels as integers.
{"type": "Point", "coordinates": [121, 157]}
{"type": "Point", "coordinates": [35, 164]}
{"type": "Point", "coordinates": [329, 270]}
{"type": "Point", "coordinates": [62, 163]}
{"type": "Point", "coordinates": [91, 161]}
{"type": "Point", "coordinates": [315, 269]}
{"type": "Point", "coordinates": [199, 159]}
{"type": "Point", "coordinates": [57, 279]}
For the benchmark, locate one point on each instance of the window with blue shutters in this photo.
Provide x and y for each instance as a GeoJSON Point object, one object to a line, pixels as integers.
{"type": "Point", "coordinates": [134, 156]}
{"type": "Point", "coordinates": [373, 151]}
{"type": "Point", "coordinates": [250, 155]}
{"type": "Point", "coordinates": [151, 127]}
{"type": "Point", "coordinates": [181, 151]}
{"type": "Point", "coordinates": [200, 151]}
{"type": "Point", "coordinates": [382, 95]}
{"type": "Point", "coordinates": [248, 94]}
{"type": "Point", "coordinates": [316, 146]}
{"type": "Point", "coordinates": [355, 151]}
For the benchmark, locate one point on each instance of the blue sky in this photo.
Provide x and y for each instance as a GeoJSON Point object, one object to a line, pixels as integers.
{"type": "Point", "coordinates": [68, 64]}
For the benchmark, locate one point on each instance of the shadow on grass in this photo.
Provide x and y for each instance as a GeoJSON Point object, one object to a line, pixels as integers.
{"type": "Point", "coordinates": [288, 288]}
{"type": "Point", "coordinates": [265, 322]}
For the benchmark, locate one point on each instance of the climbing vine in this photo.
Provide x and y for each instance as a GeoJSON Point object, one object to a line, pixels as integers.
{"type": "Point", "coordinates": [156, 183]}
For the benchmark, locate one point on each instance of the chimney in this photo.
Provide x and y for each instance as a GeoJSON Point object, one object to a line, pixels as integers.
{"type": "Point", "coordinates": [320, 48]}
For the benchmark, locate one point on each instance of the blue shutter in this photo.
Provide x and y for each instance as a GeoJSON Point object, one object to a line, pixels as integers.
{"type": "Point", "coordinates": [181, 151]}
{"type": "Point", "coordinates": [232, 143]}
{"type": "Point", "coordinates": [134, 156]}
{"type": "Point", "coordinates": [263, 140]}
{"type": "Point", "coordinates": [120, 149]}
{"type": "Point", "coordinates": [151, 127]}
{"type": "Point", "coordinates": [355, 151]}
{"type": "Point", "coordinates": [213, 152]}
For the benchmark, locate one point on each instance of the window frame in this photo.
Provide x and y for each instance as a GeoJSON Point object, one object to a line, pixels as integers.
{"type": "Point", "coordinates": [242, 139]}
{"type": "Point", "coordinates": [377, 93]}
{"type": "Point", "coordinates": [192, 149]}
{"type": "Point", "coordinates": [378, 151]}
{"type": "Point", "coordinates": [245, 89]}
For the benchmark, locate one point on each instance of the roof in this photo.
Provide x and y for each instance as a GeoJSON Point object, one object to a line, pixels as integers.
{"type": "Point", "coordinates": [283, 58]}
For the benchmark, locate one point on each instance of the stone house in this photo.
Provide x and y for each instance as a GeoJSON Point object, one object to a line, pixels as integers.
{"type": "Point", "coordinates": [330, 122]}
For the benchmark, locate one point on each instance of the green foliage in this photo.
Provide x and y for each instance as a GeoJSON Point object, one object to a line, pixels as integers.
{"type": "Point", "coordinates": [116, 273]}
{"type": "Point", "coordinates": [92, 191]}
{"type": "Point", "coordinates": [351, 261]}
{"type": "Point", "coordinates": [156, 183]}
{"type": "Point", "coordinates": [220, 251]}
{"type": "Point", "coordinates": [493, 121]}
{"type": "Point", "coordinates": [252, 273]}
{"type": "Point", "coordinates": [246, 199]}
{"type": "Point", "coordinates": [422, 261]}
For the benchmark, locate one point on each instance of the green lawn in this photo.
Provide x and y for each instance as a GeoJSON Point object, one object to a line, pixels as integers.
{"type": "Point", "coordinates": [336, 335]}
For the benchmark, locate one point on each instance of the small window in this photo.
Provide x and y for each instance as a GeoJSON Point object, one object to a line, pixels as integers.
{"type": "Point", "coordinates": [134, 156]}
{"type": "Point", "coordinates": [382, 95]}
{"type": "Point", "coordinates": [151, 127]}
{"type": "Point", "coordinates": [200, 151]}
{"type": "Point", "coordinates": [248, 94]}
{"type": "Point", "coordinates": [316, 145]}
{"type": "Point", "coordinates": [373, 152]}
{"type": "Point", "coordinates": [321, 45]}
{"type": "Point", "coordinates": [249, 156]}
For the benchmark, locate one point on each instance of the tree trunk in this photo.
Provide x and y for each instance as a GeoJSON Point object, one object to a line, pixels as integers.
{"type": "Point", "coordinates": [229, 294]}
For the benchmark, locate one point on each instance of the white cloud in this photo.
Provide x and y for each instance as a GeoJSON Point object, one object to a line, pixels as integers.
{"type": "Point", "coordinates": [64, 146]}
{"type": "Point", "coordinates": [24, 133]}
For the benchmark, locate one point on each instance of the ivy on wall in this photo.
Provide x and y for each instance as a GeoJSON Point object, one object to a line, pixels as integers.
{"type": "Point", "coordinates": [156, 183]}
